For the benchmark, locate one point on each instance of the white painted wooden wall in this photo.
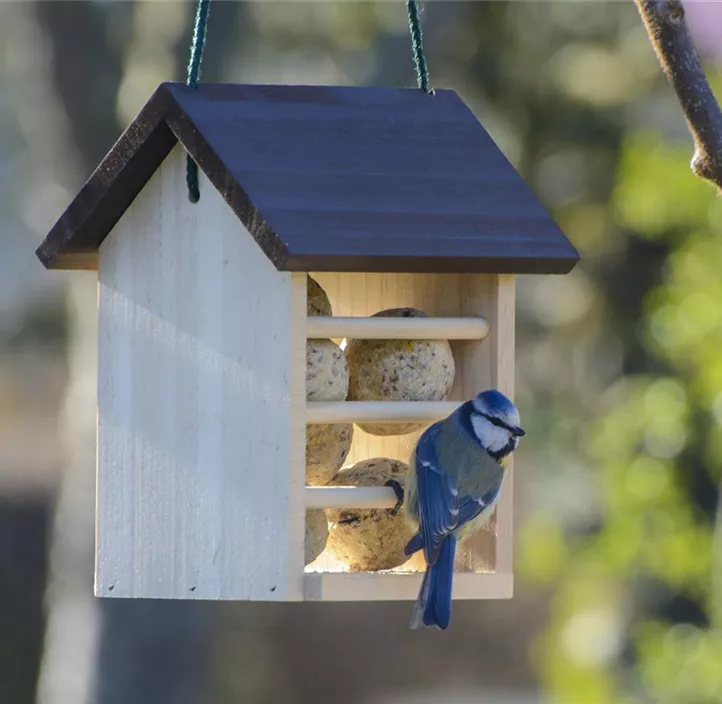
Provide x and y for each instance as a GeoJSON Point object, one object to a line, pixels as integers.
{"type": "Point", "coordinates": [201, 404]}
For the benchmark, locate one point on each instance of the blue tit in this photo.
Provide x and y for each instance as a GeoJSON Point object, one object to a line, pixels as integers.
{"type": "Point", "coordinates": [454, 478]}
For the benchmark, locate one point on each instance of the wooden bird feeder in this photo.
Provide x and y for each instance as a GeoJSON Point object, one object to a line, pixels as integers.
{"type": "Point", "coordinates": [388, 198]}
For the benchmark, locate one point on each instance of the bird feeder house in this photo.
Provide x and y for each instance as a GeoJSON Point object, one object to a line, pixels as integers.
{"type": "Point", "coordinates": [387, 198]}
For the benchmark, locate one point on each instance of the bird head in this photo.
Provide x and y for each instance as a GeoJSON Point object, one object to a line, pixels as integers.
{"type": "Point", "coordinates": [495, 421]}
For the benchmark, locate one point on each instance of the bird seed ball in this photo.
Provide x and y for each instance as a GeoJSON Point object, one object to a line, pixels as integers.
{"type": "Point", "coordinates": [398, 370]}
{"type": "Point", "coordinates": [326, 368]}
{"type": "Point", "coordinates": [317, 303]}
{"type": "Point", "coordinates": [316, 534]}
{"type": "Point", "coordinates": [369, 539]}
{"type": "Point", "coordinates": [327, 447]}
{"type": "Point", "coordinates": [326, 371]}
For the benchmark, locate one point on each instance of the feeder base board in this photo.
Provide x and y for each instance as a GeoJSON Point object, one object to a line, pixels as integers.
{"type": "Point", "coordinates": [385, 586]}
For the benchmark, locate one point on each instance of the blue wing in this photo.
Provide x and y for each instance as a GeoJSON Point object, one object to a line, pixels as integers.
{"type": "Point", "coordinates": [438, 496]}
{"type": "Point", "coordinates": [470, 507]}
{"type": "Point", "coordinates": [442, 511]}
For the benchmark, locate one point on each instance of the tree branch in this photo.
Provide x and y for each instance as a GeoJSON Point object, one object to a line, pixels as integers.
{"type": "Point", "coordinates": [671, 39]}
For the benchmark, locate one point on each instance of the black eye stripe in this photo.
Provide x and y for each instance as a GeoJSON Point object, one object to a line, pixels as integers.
{"type": "Point", "coordinates": [497, 422]}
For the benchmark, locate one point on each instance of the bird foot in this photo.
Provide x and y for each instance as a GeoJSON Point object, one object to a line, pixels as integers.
{"type": "Point", "coordinates": [399, 496]}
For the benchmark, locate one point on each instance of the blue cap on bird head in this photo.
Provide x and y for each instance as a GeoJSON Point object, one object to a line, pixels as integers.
{"type": "Point", "coordinates": [495, 406]}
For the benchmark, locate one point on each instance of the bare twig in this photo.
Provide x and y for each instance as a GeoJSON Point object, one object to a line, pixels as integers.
{"type": "Point", "coordinates": [670, 36]}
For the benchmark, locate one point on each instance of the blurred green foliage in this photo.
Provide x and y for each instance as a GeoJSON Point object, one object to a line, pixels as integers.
{"type": "Point", "coordinates": [631, 616]}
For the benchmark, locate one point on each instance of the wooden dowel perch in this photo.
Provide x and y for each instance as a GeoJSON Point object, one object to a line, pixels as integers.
{"type": "Point", "coordinates": [378, 411]}
{"type": "Point", "coordinates": [350, 497]}
{"type": "Point", "coordinates": [398, 328]}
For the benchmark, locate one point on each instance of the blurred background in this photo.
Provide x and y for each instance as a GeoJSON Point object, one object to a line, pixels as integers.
{"type": "Point", "coordinates": [619, 367]}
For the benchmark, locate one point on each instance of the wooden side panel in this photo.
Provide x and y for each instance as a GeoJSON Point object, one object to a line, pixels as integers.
{"type": "Point", "coordinates": [200, 474]}
{"type": "Point", "coordinates": [480, 364]}
{"type": "Point", "coordinates": [499, 356]}
{"type": "Point", "coordinates": [503, 345]}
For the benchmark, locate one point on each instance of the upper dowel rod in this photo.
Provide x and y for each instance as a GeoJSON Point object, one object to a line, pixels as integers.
{"type": "Point", "coordinates": [397, 328]}
{"type": "Point", "coordinates": [378, 411]}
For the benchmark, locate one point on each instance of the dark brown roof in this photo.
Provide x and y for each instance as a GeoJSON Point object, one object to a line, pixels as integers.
{"type": "Point", "coordinates": [334, 179]}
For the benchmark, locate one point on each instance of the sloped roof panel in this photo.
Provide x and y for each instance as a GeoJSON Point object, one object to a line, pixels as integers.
{"type": "Point", "coordinates": [331, 178]}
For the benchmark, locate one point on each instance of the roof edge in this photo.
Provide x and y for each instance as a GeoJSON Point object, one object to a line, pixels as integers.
{"type": "Point", "coordinates": [111, 188]}
{"type": "Point", "coordinates": [562, 263]}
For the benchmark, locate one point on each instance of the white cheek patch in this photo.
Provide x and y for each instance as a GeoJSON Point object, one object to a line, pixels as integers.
{"type": "Point", "coordinates": [490, 436]}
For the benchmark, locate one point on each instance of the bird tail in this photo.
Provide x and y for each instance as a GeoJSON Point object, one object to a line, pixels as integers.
{"type": "Point", "coordinates": [433, 606]}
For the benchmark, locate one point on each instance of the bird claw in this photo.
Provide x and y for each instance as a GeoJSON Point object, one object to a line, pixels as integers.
{"type": "Point", "coordinates": [398, 490]}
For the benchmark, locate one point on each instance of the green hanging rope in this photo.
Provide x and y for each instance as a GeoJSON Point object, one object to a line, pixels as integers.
{"type": "Point", "coordinates": [417, 44]}
{"type": "Point", "coordinates": [196, 59]}
{"type": "Point", "coordinates": [194, 74]}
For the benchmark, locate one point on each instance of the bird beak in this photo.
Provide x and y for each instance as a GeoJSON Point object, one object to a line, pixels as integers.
{"type": "Point", "coordinates": [518, 432]}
